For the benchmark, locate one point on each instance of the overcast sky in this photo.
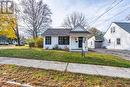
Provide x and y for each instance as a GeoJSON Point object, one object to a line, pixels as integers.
{"type": "Point", "coordinates": [91, 9]}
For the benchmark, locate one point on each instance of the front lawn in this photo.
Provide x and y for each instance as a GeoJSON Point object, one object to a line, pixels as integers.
{"type": "Point", "coordinates": [45, 78]}
{"type": "Point", "coordinates": [52, 55]}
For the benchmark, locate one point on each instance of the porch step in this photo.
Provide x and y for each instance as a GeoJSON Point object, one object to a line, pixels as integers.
{"type": "Point", "coordinates": [76, 50]}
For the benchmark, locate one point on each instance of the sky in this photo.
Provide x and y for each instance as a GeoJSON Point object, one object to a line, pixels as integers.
{"type": "Point", "coordinates": [91, 9]}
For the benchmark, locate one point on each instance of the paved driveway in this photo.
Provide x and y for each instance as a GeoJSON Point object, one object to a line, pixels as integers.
{"type": "Point", "coordinates": [122, 53]}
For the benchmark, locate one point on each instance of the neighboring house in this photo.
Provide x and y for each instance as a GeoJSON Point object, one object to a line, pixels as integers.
{"type": "Point", "coordinates": [6, 41]}
{"type": "Point", "coordinates": [118, 36]}
{"type": "Point", "coordinates": [3, 40]}
{"type": "Point", "coordinates": [73, 39]}
{"type": "Point", "coordinates": [93, 43]}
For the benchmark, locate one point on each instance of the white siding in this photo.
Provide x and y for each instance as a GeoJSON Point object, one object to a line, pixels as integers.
{"type": "Point", "coordinates": [119, 33]}
{"type": "Point", "coordinates": [73, 44]}
{"type": "Point", "coordinates": [91, 42]}
{"type": "Point", "coordinates": [54, 42]}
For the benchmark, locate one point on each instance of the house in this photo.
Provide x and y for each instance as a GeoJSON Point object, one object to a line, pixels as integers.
{"type": "Point", "coordinates": [94, 43]}
{"type": "Point", "coordinates": [3, 40]}
{"type": "Point", "coordinates": [6, 41]}
{"type": "Point", "coordinates": [118, 36]}
{"type": "Point", "coordinates": [74, 39]}
{"type": "Point", "coordinates": [91, 42]}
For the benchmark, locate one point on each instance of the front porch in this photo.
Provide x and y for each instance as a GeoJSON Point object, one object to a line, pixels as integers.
{"type": "Point", "coordinates": [78, 43]}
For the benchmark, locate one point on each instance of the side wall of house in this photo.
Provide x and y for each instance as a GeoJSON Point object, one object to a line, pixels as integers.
{"type": "Point", "coordinates": [119, 33]}
{"type": "Point", "coordinates": [91, 42]}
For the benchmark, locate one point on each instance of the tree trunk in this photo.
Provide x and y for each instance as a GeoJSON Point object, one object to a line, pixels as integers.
{"type": "Point", "coordinates": [17, 34]}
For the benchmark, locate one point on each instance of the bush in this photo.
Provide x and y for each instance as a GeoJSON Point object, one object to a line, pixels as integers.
{"type": "Point", "coordinates": [39, 42]}
{"type": "Point", "coordinates": [56, 47]}
{"type": "Point", "coordinates": [30, 40]}
{"type": "Point", "coordinates": [66, 48]}
{"type": "Point", "coordinates": [31, 44]}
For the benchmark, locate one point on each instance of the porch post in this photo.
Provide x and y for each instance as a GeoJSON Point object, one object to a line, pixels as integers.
{"type": "Point", "coordinates": [70, 44]}
{"type": "Point", "coordinates": [86, 42]}
{"type": "Point", "coordinates": [83, 44]}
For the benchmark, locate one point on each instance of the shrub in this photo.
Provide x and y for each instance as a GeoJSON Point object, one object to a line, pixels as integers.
{"type": "Point", "coordinates": [39, 42]}
{"type": "Point", "coordinates": [56, 47]}
{"type": "Point", "coordinates": [31, 44]}
{"type": "Point", "coordinates": [66, 48]}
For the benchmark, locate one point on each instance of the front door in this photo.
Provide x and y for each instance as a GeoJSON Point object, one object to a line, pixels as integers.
{"type": "Point", "coordinates": [80, 42]}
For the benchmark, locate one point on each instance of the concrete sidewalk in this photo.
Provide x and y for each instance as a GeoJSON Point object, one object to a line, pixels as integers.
{"type": "Point", "coordinates": [69, 67]}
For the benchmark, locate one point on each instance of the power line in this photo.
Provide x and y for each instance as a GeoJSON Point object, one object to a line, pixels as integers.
{"type": "Point", "coordinates": [115, 15]}
{"type": "Point", "coordinates": [100, 8]}
{"type": "Point", "coordinates": [107, 11]}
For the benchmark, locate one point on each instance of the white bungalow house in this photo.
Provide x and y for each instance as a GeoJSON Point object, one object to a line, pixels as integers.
{"type": "Point", "coordinates": [73, 39]}
{"type": "Point", "coordinates": [118, 36]}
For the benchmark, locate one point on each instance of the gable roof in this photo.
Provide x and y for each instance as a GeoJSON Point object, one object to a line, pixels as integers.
{"type": "Point", "coordinates": [79, 25]}
{"type": "Point", "coordinates": [124, 25]}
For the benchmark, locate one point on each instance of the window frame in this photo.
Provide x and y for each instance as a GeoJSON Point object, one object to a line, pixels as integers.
{"type": "Point", "coordinates": [109, 41]}
{"type": "Point", "coordinates": [48, 40]}
{"type": "Point", "coordinates": [118, 41]}
{"type": "Point", "coordinates": [113, 29]}
{"type": "Point", "coordinates": [62, 40]}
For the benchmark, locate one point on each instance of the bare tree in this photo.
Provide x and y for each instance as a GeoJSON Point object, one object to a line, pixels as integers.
{"type": "Point", "coordinates": [74, 19]}
{"type": "Point", "coordinates": [97, 33]}
{"type": "Point", "coordinates": [36, 15]}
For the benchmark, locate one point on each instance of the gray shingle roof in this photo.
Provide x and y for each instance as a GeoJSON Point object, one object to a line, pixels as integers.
{"type": "Point", "coordinates": [79, 32]}
{"type": "Point", "coordinates": [124, 25]}
{"type": "Point", "coordinates": [59, 32]}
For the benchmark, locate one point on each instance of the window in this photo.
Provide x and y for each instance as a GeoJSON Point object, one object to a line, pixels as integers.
{"type": "Point", "coordinates": [109, 41]}
{"type": "Point", "coordinates": [118, 41]}
{"type": "Point", "coordinates": [63, 40]}
{"type": "Point", "coordinates": [112, 29]}
{"type": "Point", "coordinates": [48, 40]}
{"type": "Point", "coordinates": [91, 43]}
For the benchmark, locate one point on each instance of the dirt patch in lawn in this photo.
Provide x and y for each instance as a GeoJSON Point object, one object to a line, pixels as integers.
{"type": "Point", "coordinates": [47, 78]}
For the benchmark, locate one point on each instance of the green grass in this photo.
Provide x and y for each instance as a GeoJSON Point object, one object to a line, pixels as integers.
{"type": "Point", "coordinates": [47, 78]}
{"type": "Point", "coordinates": [72, 57]}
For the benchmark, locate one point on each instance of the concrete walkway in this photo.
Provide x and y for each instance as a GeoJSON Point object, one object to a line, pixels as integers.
{"type": "Point", "coordinates": [69, 67]}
